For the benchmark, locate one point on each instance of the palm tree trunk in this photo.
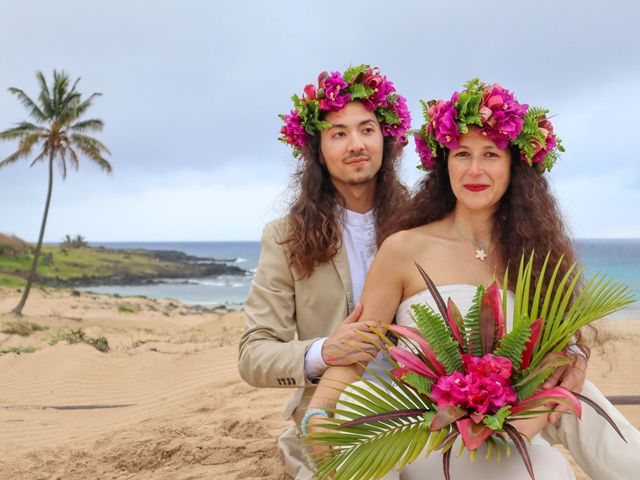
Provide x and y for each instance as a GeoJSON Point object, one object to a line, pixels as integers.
{"type": "Point", "coordinates": [36, 256]}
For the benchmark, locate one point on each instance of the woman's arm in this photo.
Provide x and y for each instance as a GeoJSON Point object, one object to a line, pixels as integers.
{"type": "Point", "coordinates": [382, 294]}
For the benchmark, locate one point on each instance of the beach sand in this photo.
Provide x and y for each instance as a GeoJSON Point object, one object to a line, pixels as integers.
{"type": "Point", "coordinates": [166, 401]}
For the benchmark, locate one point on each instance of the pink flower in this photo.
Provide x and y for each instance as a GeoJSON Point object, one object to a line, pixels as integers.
{"type": "Point", "coordinates": [484, 388]}
{"type": "Point", "coordinates": [372, 79]}
{"type": "Point", "coordinates": [398, 130]}
{"type": "Point", "coordinates": [424, 152]}
{"type": "Point", "coordinates": [443, 123]}
{"type": "Point", "coordinates": [502, 115]}
{"type": "Point", "coordinates": [310, 91]}
{"type": "Point", "coordinates": [488, 364]}
{"type": "Point", "coordinates": [334, 97]}
{"type": "Point", "coordinates": [450, 390]}
{"type": "Point", "coordinates": [381, 89]}
{"type": "Point", "coordinates": [293, 130]}
{"type": "Point", "coordinates": [321, 79]}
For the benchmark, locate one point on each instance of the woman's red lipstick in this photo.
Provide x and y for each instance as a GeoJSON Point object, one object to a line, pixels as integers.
{"type": "Point", "coordinates": [475, 187]}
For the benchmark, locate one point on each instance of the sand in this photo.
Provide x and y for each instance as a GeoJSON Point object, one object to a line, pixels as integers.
{"type": "Point", "coordinates": [166, 401]}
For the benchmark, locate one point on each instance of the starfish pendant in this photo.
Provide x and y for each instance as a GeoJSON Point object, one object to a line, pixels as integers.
{"type": "Point", "coordinates": [481, 254]}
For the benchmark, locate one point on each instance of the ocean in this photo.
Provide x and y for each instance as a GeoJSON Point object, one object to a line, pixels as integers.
{"type": "Point", "coordinates": [618, 259]}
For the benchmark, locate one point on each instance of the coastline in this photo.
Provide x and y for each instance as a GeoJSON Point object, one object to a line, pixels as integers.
{"type": "Point", "coordinates": [166, 400]}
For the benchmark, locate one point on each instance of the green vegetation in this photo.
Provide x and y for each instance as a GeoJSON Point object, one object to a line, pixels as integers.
{"type": "Point", "coordinates": [22, 328]}
{"type": "Point", "coordinates": [17, 350]}
{"type": "Point", "coordinates": [60, 263]}
{"type": "Point", "coordinates": [11, 281]}
{"type": "Point", "coordinates": [61, 138]}
{"type": "Point", "coordinates": [126, 309]}
{"type": "Point", "coordinates": [72, 336]}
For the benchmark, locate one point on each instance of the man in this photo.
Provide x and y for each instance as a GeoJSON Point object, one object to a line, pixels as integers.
{"type": "Point", "coordinates": [302, 310]}
{"type": "Point", "coordinates": [349, 131]}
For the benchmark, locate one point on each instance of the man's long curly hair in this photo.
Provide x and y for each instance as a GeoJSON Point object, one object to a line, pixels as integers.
{"type": "Point", "coordinates": [527, 219]}
{"type": "Point", "coordinates": [313, 229]}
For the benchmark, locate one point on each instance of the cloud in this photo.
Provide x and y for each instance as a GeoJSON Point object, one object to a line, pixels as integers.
{"type": "Point", "coordinates": [194, 88]}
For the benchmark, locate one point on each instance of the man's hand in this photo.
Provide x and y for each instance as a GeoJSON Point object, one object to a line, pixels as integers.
{"type": "Point", "coordinates": [352, 341]}
{"type": "Point", "coordinates": [571, 377]}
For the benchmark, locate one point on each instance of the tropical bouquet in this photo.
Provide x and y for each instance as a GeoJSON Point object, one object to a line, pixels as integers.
{"type": "Point", "coordinates": [465, 377]}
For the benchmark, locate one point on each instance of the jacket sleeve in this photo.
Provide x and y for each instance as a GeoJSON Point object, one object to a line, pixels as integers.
{"type": "Point", "coordinates": [593, 443]}
{"type": "Point", "coordinates": [270, 355]}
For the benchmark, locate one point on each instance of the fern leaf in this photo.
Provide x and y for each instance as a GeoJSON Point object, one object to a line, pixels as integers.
{"type": "Point", "coordinates": [528, 388]}
{"type": "Point", "coordinates": [513, 343]}
{"type": "Point", "coordinates": [472, 324]}
{"type": "Point", "coordinates": [438, 335]}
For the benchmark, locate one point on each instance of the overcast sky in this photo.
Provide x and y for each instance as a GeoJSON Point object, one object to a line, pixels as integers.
{"type": "Point", "coordinates": [192, 89]}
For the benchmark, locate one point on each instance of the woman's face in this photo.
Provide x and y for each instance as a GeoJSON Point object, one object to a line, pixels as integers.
{"type": "Point", "coordinates": [479, 171]}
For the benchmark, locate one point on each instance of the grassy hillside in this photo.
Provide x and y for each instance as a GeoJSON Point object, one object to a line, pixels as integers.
{"type": "Point", "coordinates": [64, 264]}
{"type": "Point", "coordinates": [73, 267]}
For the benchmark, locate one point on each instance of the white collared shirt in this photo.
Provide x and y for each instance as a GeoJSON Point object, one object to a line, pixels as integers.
{"type": "Point", "coordinates": [359, 240]}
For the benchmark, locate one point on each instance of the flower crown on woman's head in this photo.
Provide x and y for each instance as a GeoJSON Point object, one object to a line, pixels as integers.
{"type": "Point", "coordinates": [334, 91]}
{"type": "Point", "coordinates": [498, 115]}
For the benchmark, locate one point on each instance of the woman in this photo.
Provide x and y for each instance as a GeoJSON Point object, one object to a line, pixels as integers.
{"type": "Point", "coordinates": [484, 203]}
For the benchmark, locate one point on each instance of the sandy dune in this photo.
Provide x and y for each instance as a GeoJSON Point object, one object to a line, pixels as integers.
{"type": "Point", "coordinates": [166, 401]}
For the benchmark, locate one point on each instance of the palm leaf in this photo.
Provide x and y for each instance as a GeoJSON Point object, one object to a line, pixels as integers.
{"type": "Point", "coordinates": [45, 96]}
{"type": "Point", "coordinates": [34, 111]}
{"type": "Point", "coordinates": [535, 303]}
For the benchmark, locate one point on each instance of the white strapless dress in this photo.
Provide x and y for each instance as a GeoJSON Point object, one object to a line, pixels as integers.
{"type": "Point", "coordinates": [548, 463]}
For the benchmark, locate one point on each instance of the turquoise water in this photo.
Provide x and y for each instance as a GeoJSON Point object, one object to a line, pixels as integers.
{"type": "Point", "coordinates": [619, 259]}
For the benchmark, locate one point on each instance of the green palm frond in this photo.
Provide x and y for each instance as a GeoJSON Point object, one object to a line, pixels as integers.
{"type": "Point", "coordinates": [14, 157]}
{"type": "Point", "coordinates": [94, 125]}
{"type": "Point", "coordinates": [34, 110]}
{"type": "Point", "coordinates": [599, 297]}
{"type": "Point", "coordinates": [369, 450]}
{"type": "Point", "coordinates": [21, 129]}
{"type": "Point", "coordinates": [564, 310]}
{"type": "Point", "coordinates": [45, 96]}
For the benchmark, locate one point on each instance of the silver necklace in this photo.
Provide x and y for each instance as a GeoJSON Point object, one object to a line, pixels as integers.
{"type": "Point", "coordinates": [481, 253]}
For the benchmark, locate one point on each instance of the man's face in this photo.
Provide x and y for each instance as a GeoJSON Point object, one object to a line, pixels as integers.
{"type": "Point", "coordinates": [352, 148]}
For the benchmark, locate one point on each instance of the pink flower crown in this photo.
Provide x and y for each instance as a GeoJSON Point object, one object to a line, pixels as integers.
{"type": "Point", "coordinates": [334, 91]}
{"type": "Point", "coordinates": [498, 114]}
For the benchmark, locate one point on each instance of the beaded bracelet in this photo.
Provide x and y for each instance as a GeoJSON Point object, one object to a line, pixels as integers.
{"type": "Point", "coordinates": [309, 414]}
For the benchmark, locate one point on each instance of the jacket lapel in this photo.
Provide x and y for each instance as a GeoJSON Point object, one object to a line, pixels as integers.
{"type": "Point", "coordinates": [341, 263]}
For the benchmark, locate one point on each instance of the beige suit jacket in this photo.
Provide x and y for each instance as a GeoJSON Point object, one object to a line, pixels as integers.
{"type": "Point", "coordinates": [286, 314]}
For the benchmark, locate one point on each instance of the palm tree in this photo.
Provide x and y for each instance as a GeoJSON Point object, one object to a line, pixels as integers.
{"type": "Point", "coordinates": [60, 136]}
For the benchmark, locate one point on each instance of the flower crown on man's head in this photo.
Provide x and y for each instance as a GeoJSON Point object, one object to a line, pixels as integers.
{"type": "Point", "coordinates": [498, 115]}
{"type": "Point", "coordinates": [334, 91]}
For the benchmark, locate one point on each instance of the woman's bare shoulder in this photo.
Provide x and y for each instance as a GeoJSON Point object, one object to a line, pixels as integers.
{"type": "Point", "coordinates": [406, 241]}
